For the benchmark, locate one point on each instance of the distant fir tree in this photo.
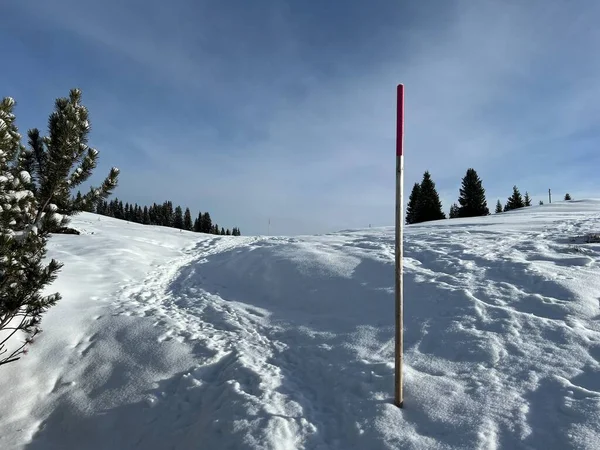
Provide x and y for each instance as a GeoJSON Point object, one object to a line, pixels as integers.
{"type": "Point", "coordinates": [187, 220]}
{"type": "Point", "coordinates": [472, 196]}
{"type": "Point", "coordinates": [498, 207]}
{"type": "Point", "coordinates": [215, 229]}
{"type": "Point", "coordinates": [198, 223]}
{"type": "Point", "coordinates": [146, 216]}
{"type": "Point", "coordinates": [222, 231]}
{"type": "Point", "coordinates": [120, 210]}
{"type": "Point", "coordinates": [153, 214]}
{"type": "Point", "coordinates": [411, 209]}
{"type": "Point", "coordinates": [178, 220]}
{"type": "Point", "coordinates": [527, 199]}
{"type": "Point", "coordinates": [541, 203]}
{"type": "Point", "coordinates": [206, 224]}
{"type": "Point", "coordinates": [139, 214]}
{"type": "Point", "coordinates": [168, 214]}
{"type": "Point", "coordinates": [568, 197]}
{"type": "Point", "coordinates": [228, 232]}
{"type": "Point", "coordinates": [454, 209]}
{"type": "Point", "coordinates": [515, 201]}
{"type": "Point", "coordinates": [429, 206]}
{"type": "Point", "coordinates": [78, 198]}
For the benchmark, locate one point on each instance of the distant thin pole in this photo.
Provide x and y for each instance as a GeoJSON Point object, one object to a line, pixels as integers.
{"type": "Point", "coordinates": [549, 196]}
{"type": "Point", "coordinates": [398, 385]}
{"type": "Point", "coordinates": [269, 228]}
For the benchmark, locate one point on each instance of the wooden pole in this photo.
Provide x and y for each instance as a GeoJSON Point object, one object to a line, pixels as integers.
{"type": "Point", "coordinates": [549, 196]}
{"type": "Point", "coordinates": [398, 386]}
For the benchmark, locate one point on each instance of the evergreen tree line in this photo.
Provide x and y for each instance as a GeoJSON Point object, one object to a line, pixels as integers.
{"type": "Point", "coordinates": [162, 214]}
{"type": "Point", "coordinates": [424, 202]}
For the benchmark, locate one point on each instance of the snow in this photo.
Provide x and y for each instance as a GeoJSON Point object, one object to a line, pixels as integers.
{"type": "Point", "coordinates": [169, 339]}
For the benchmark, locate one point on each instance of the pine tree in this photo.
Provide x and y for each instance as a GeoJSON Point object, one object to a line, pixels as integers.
{"type": "Point", "coordinates": [198, 223]}
{"type": "Point", "coordinates": [411, 209]}
{"type": "Point", "coordinates": [215, 229]}
{"type": "Point", "coordinates": [153, 214]}
{"type": "Point", "coordinates": [222, 231]}
{"type": "Point", "coordinates": [429, 206]}
{"type": "Point", "coordinates": [498, 207]}
{"type": "Point", "coordinates": [472, 196]}
{"type": "Point", "coordinates": [541, 203]}
{"type": "Point", "coordinates": [168, 219]}
{"type": "Point", "coordinates": [62, 161]}
{"type": "Point", "coordinates": [146, 216]}
{"type": "Point", "coordinates": [35, 184]}
{"type": "Point", "coordinates": [228, 232]}
{"type": "Point", "coordinates": [78, 198]}
{"type": "Point", "coordinates": [454, 209]}
{"type": "Point", "coordinates": [139, 215]}
{"type": "Point", "coordinates": [568, 197]}
{"type": "Point", "coordinates": [515, 201]}
{"type": "Point", "coordinates": [187, 220]}
{"type": "Point", "coordinates": [527, 199]}
{"type": "Point", "coordinates": [206, 223]}
{"type": "Point", "coordinates": [178, 221]}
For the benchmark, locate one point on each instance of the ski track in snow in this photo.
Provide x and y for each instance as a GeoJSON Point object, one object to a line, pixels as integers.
{"type": "Point", "coordinates": [289, 344]}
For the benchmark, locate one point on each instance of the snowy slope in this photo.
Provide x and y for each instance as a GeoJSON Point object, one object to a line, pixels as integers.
{"type": "Point", "coordinates": [178, 340]}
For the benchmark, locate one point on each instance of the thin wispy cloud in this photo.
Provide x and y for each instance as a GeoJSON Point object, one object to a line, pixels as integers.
{"type": "Point", "coordinates": [286, 110]}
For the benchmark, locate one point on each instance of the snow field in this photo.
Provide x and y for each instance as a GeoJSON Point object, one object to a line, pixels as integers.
{"type": "Point", "coordinates": [179, 340]}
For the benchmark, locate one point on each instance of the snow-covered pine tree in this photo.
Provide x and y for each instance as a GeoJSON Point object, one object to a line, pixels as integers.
{"type": "Point", "coordinates": [23, 275]}
{"type": "Point", "coordinates": [36, 199]}
{"type": "Point", "coordinates": [62, 161]}
{"type": "Point", "coordinates": [429, 206]}
{"type": "Point", "coordinates": [527, 199]}
{"type": "Point", "coordinates": [498, 207]}
{"type": "Point", "coordinates": [472, 196]}
{"type": "Point", "coordinates": [187, 220]}
{"type": "Point", "coordinates": [411, 209]}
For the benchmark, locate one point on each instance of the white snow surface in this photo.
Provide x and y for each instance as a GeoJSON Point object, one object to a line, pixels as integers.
{"type": "Point", "coordinates": [176, 340]}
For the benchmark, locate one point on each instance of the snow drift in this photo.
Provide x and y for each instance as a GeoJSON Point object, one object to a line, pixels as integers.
{"type": "Point", "coordinates": [168, 339]}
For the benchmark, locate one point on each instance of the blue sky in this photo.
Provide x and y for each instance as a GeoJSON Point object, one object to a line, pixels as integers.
{"type": "Point", "coordinates": [286, 110]}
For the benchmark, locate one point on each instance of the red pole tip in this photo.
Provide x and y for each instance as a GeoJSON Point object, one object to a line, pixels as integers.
{"type": "Point", "coordinates": [400, 121]}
